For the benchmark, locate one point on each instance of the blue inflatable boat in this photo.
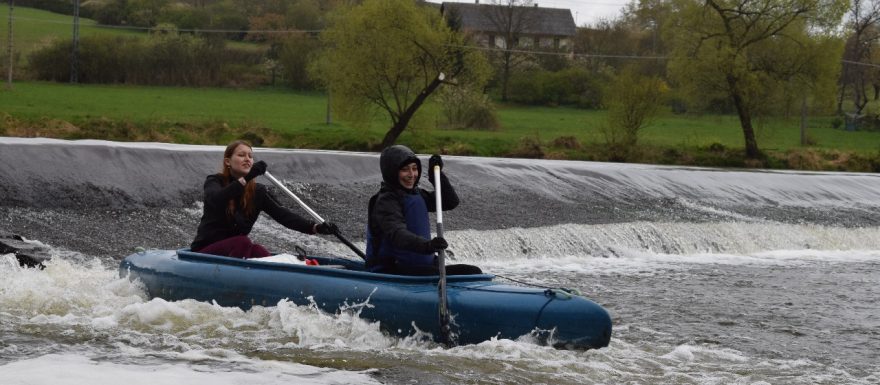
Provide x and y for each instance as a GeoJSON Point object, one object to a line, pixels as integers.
{"type": "Point", "coordinates": [480, 308]}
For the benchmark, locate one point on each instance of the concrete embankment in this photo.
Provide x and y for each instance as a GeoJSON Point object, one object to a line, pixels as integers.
{"type": "Point", "coordinates": [102, 198]}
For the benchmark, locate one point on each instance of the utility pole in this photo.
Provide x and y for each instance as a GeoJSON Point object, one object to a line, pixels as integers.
{"type": "Point", "coordinates": [74, 76]}
{"type": "Point", "coordinates": [9, 47]}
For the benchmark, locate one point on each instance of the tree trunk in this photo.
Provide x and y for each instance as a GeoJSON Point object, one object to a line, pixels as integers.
{"type": "Point", "coordinates": [407, 115]}
{"type": "Point", "coordinates": [804, 121]}
{"type": "Point", "coordinates": [745, 119]}
{"type": "Point", "coordinates": [505, 75]}
{"type": "Point", "coordinates": [861, 97]}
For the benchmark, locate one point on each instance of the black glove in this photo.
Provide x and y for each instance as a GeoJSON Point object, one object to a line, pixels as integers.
{"type": "Point", "coordinates": [437, 244]}
{"type": "Point", "coordinates": [435, 160]}
{"type": "Point", "coordinates": [257, 169]}
{"type": "Point", "coordinates": [327, 228]}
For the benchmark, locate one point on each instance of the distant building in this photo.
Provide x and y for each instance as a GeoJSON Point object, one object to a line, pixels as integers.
{"type": "Point", "coordinates": [525, 26]}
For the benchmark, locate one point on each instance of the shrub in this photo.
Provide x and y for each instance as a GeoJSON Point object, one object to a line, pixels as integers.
{"type": "Point", "coordinates": [633, 100]}
{"type": "Point", "coordinates": [253, 138]}
{"type": "Point", "coordinates": [526, 89]}
{"type": "Point", "coordinates": [804, 160]}
{"type": "Point", "coordinates": [294, 56]}
{"type": "Point", "coordinates": [466, 108]}
{"type": "Point", "coordinates": [567, 142]}
{"type": "Point", "coordinates": [837, 122]}
{"type": "Point", "coordinates": [529, 147]}
{"type": "Point", "coordinates": [716, 147]}
{"type": "Point", "coordinates": [459, 148]}
{"type": "Point", "coordinates": [163, 59]}
{"type": "Point", "coordinates": [571, 86]}
{"type": "Point", "coordinates": [188, 18]}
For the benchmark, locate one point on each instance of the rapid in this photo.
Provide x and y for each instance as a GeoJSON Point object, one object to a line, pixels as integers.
{"type": "Point", "coordinates": [711, 276]}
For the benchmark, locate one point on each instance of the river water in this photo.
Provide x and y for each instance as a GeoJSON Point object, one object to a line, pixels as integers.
{"type": "Point", "coordinates": [711, 276]}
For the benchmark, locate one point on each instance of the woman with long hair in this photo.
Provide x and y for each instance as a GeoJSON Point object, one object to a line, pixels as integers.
{"type": "Point", "coordinates": [233, 202]}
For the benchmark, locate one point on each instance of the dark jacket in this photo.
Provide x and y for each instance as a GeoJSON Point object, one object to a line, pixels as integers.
{"type": "Point", "coordinates": [215, 225]}
{"type": "Point", "coordinates": [387, 217]}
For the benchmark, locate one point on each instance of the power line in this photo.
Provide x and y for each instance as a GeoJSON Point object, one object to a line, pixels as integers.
{"type": "Point", "coordinates": [860, 63]}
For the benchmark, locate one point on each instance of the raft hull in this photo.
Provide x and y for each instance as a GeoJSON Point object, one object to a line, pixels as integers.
{"type": "Point", "coordinates": [481, 308]}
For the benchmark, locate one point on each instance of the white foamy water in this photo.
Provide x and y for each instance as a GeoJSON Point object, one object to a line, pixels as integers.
{"type": "Point", "coordinates": [75, 369]}
{"type": "Point", "coordinates": [82, 324]}
{"type": "Point", "coordinates": [679, 241]}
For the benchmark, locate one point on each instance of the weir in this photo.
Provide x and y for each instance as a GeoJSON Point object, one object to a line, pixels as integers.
{"type": "Point", "coordinates": [104, 198]}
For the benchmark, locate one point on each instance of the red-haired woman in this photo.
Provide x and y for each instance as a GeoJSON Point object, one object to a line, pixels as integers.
{"type": "Point", "coordinates": [233, 202]}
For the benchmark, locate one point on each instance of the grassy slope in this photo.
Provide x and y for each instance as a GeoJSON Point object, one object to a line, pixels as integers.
{"type": "Point", "coordinates": [33, 28]}
{"type": "Point", "coordinates": [302, 117]}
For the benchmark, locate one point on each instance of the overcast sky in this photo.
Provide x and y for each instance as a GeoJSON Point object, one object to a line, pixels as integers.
{"type": "Point", "coordinates": [583, 11]}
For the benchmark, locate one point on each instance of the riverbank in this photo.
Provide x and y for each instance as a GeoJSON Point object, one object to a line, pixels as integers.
{"type": "Point", "coordinates": [284, 119]}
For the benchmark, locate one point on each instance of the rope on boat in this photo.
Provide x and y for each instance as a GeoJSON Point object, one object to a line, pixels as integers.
{"type": "Point", "coordinates": [551, 291]}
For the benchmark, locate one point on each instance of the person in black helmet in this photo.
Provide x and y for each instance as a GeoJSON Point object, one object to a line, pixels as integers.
{"type": "Point", "coordinates": [398, 227]}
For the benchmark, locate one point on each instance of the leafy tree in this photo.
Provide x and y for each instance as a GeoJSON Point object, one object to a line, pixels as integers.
{"type": "Point", "coordinates": [293, 56]}
{"type": "Point", "coordinates": [389, 55]}
{"type": "Point", "coordinates": [305, 15]}
{"type": "Point", "coordinates": [604, 45]}
{"type": "Point", "coordinates": [633, 100]}
{"type": "Point", "coordinates": [264, 28]}
{"type": "Point", "coordinates": [648, 18]}
{"type": "Point", "coordinates": [744, 49]}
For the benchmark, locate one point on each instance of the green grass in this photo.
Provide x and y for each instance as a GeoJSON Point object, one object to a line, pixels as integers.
{"type": "Point", "coordinates": [280, 110]}
{"type": "Point", "coordinates": [669, 130]}
{"type": "Point", "coordinates": [298, 120]}
{"type": "Point", "coordinates": [34, 28]}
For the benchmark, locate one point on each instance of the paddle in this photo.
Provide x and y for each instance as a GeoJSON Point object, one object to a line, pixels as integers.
{"type": "Point", "coordinates": [315, 215]}
{"type": "Point", "coordinates": [441, 264]}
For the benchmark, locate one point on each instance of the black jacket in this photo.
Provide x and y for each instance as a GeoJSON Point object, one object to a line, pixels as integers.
{"type": "Point", "coordinates": [215, 225]}
{"type": "Point", "coordinates": [386, 210]}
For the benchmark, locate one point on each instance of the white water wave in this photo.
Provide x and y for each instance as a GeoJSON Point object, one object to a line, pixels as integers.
{"type": "Point", "coordinates": [646, 240]}
{"type": "Point", "coordinates": [77, 369]}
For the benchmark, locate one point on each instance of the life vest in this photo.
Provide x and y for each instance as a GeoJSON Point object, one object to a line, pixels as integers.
{"type": "Point", "coordinates": [417, 222]}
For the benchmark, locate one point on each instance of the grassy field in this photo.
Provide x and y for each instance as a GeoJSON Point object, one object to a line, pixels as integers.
{"type": "Point", "coordinates": [289, 119]}
{"type": "Point", "coordinates": [34, 28]}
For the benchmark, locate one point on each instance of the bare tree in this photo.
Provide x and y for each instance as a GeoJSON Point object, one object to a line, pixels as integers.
{"type": "Point", "coordinates": [511, 19]}
{"type": "Point", "coordinates": [864, 15]}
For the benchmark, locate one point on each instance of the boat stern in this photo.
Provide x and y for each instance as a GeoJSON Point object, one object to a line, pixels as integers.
{"type": "Point", "coordinates": [574, 322]}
